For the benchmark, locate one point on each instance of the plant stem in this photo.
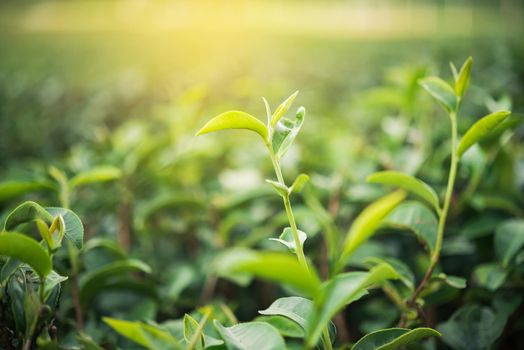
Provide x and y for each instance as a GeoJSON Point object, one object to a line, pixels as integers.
{"type": "Point", "coordinates": [327, 339]}
{"type": "Point", "coordinates": [444, 212]}
{"type": "Point", "coordinates": [289, 211]}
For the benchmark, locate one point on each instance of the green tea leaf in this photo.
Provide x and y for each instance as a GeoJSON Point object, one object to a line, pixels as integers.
{"type": "Point", "coordinates": [14, 188]}
{"type": "Point", "coordinates": [281, 189]}
{"type": "Point", "coordinates": [369, 220]}
{"type": "Point", "coordinates": [27, 212]}
{"type": "Point", "coordinates": [490, 275]}
{"type": "Point", "coordinates": [98, 174]}
{"type": "Point", "coordinates": [509, 240]}
{"type": "Point", "coordinates": [95, 281]}
{"type": "Point", "coordinates": [235, 120]}
{"type": "Point", "coordinates": [297, 309]}
{"type": "Point", "coordinates": [405, 275]}
{"type": "Point", "coordinates": [190, 330]}
{"type": "Point", "coordinates": [283, 108]}
{"type": "Point", "coordinates": [393, 338]}
{"type": "Point", "coordinates": [148, 336]}
{"type": "Point", "coordinates": [299, 183]}
{"type": "Point", "coordinates": [276, 267]}
{"type": "Point", "coordinates": [287, 239]}
{"type": "Point", "coordinates": [21, 247]}
{"type": "Point", "coordinates": [408, 183]}
{"type": "Point", "coordinates": [341, 290]}
{"type": "Point", "coordinates": [462, 80]}
{"type": "Point", "coordinates": [481, 129]}
{"type": "Point", "coordinates": [417, 218]}
{"type": "Point", "coordinates": [74, 229]}
{"type": "Point", "coordinates": [286, 131]}
{"type": "Point", "coordinates": [250, 335]}
{"type": "Point", "coordinates": [441, 91]}
{"type": "Point", "coordinates": [283, 325]}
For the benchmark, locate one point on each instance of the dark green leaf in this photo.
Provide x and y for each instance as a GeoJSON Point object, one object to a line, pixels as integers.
{"type": "Point", "coordinates": [393, 338]}
{"type": "Point", "coordinates": [509, 239]}
{"type": "Point", "coordinates": [490, 275]}
{"type": "Point", "coordinates": [27, 212]}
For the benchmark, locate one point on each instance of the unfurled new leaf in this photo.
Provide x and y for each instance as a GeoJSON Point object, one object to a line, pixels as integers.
{"type": "Point", "coordinates": [393, 338]}
{"type": "Point", "coordinates": [285, 132]}
{"type": "Point", "coordinates": [235, 120]}
{"type": "Point", "coordinates": [481, 129]}
{"type": "Point", "coordinates": [287, 239]}
{"type": "Point", "coordinates": [408, 183]}
{"type": "Point", "coordinates": [369, 220]}
{"type": "Point", "coordinates": [282, 109]}
{"type": "Point", "coordinates": [462, 80]}
{"type": "Point", "coordinates": [441, 91]}
{"type": "Point", "coordinates": [281, 189]}
{"type": "Point", "coordinates": [21, 247]}
{"type": "Point", "coordinates": [299, 183]}
{"type": "Point", "coordinates": [74, 229]}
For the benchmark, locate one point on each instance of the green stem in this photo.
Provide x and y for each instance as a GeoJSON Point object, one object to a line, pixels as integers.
{"type": "Point", "coordinates": [444, 212]}
{"type": "Point", "coordinates": [327, 339]}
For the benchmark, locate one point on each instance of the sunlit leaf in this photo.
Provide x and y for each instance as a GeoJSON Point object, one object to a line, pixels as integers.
{"type": "Point", "coordinates": [148, 336]}
{"type": "Point", "coordinates": [480, 129]}
{"type": "Point", "coordinates": [393, 338]}
{"type": "Point", "coordinates": [98, 174]}
{"type": "Point", "coordinates": [283, 108]}
{"type": "Point", "coordinates": [23, 248]}
{"type": "Point", "coordinates": [299, 183]}
{"type": "Point", "coordinates": [277, 267]}
{"type": "Point", "coordinates": [250, 335]}
{"type": "Point", "coordinates": [462, 81]}
{"type": "Point", "coordinates": [369, 220]}
{"type": "Point", "coordinates": [235, 120]}
{"type": "Point", "coordinates": [441, 91]}
{"type": "Point", "coordinates": [340, 291]}
{"type": "Point", "coordinates": [408, 183]}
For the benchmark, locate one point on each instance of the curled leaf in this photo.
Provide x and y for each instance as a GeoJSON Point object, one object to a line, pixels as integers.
{"type": "Point", "coordinates": [287, 239]}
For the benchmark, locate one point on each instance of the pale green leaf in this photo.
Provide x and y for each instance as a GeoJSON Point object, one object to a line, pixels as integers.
{"type": "Point", "coordinates": [235, 120]}
{"type": "Point", "coordinates": [299, 183]}
{"type": "Point", "coordinates": [250, 335]}
{"type": "Point", "coordinates": [481, 129]}
{"type": "Point", "coordinates": [23, 248]}
{"type": "Point", "coordinates": [148, 336]}
{"type": "Point", "coordinates": [286, 238]}
{"type": "Point", "coordinates": [462, 80]}
{"type": "Point", "coordinates": [393, 338]}
{"type": "Point", "coordinates": [369, 220]}
{"type": "Point", "coordinates": [286, 131]}
{"type": "Point", "coordinates": [277, 267]}
{"type": "Point", "coordinates": [282, 108]}
{"type": "Point", "coordinates": [441, 91]}
{"type": "Point", "coordinates": [98, 174]}
{"type": "Point", "coordinates": [191, 329]}
{"type": "Point", "coordinates": [281, 189]}
{"type": "Point", "coordinates": [408, 183]}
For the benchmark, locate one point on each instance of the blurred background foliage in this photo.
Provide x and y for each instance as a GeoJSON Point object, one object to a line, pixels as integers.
{"type": "Point", "coordinates": [126, 84]}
